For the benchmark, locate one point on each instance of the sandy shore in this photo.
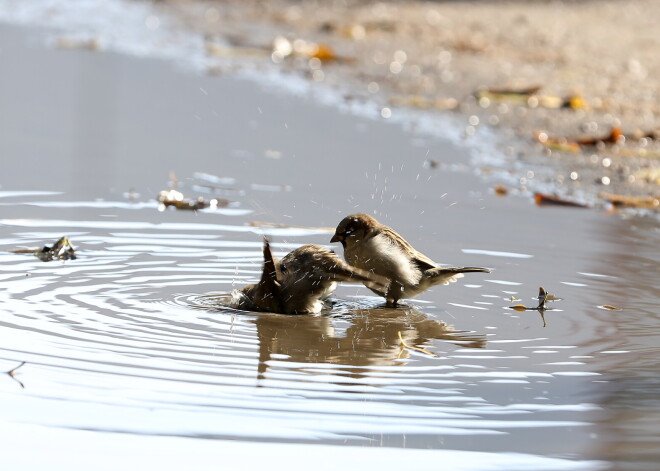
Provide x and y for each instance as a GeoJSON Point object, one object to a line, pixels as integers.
{"type": "Point", "coordinates": [591, 68]}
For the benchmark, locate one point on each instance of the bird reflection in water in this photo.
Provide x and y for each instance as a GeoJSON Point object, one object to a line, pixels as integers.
{"type": "Point", "coordinates": [371, 338]}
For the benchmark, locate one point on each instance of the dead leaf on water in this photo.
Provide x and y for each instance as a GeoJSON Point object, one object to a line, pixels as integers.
{"type": "Point", "coordinates": [609, 307]}
{"type": "Point", "coordinates": [176, 199]}
{"type": "Point", "coordinates": [12, 374]}
{"type": "Point", "coordinates": [62, 249]}
{"type": "Point", "coordinates": [520, 307]}
{"type": "Point", "coordinates": [542, 297]}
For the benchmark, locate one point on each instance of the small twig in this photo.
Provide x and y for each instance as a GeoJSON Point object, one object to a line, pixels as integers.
{"type": "Point", "coordinates": [12, 374]}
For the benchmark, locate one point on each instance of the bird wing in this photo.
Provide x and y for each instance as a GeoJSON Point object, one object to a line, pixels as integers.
{"type": "Point", "coordinates": [418, 258]}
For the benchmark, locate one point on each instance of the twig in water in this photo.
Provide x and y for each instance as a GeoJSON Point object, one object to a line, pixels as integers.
{"type": "Point", "coordinates": [12, 374]}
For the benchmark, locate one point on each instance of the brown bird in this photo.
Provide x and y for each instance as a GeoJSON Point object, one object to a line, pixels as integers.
{"type": "Point", "coordinates": [264, 295]}
{"type": "Point", "coordinates": [309, 275]}
{"type": "Point", "coordinates": [377, 248]}
{"type": "Point", "coordinates": [300, 282]}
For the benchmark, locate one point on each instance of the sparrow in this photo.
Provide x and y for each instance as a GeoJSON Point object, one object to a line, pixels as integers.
{"type": "Point", "coordinates": [309, 274]}
{"type": "Point", "coordinates": [264, 295]}
{"type": "Point", "coordinates": [377, 248]}
{"type": "Point", "coordinates": [300, 282]}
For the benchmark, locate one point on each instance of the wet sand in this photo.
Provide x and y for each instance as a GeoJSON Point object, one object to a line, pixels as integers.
{"type": "Point", "coordinates": [115, 342]}
{"type": "Point", "coordinates": [434, 56]}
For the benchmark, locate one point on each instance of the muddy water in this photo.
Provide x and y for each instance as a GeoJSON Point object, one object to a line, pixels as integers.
{"type": "Point", "coordinates": [127, 348]}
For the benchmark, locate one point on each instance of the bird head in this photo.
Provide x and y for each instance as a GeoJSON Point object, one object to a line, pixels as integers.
{"type": "Point", "coordinates": [354, 228]}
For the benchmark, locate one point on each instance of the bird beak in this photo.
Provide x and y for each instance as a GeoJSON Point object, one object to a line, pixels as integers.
{"type": "Point", "coordinates": [337, 238]}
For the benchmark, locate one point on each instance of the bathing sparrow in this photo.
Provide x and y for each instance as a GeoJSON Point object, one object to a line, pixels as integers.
{"type": "Point", "coordinates": [300, 282]}
{"type": "Point", "coordinates": [309, 274]}
{"type": "Point", "coordinates": [264, 295]}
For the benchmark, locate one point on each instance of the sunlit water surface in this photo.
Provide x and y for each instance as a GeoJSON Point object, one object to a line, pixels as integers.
{"type": "Point", "coordinates": [132, 338]}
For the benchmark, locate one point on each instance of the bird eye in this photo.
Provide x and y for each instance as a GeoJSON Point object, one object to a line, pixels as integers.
{"type": "Point", "coordinates": [283, 268]}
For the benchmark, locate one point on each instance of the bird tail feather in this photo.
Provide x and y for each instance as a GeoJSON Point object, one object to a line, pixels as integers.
{"type": "Point", "coordinates": [446, 275]}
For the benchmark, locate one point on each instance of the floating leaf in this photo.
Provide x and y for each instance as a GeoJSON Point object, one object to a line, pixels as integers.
{"type": "Point", "coordinates": [520, 307]}
{"type": "Point", "coordinates": [62, 249]}
{"type": "Point", "coordinates": [13, 371]}
{"type": "Point", "coordinates": [174, 198]}
{"type": "Point", "coordinates": [609, 307]}
{"type": "Point", "coordinates": [12, 374]}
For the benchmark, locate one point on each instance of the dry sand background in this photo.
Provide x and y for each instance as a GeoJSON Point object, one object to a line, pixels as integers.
{"type": "Point", "coordinates": [438, 55]}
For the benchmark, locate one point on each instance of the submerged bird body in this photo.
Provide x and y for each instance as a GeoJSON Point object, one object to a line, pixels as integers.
{"type": "Point", "coordinates": [264, 295]}
{"type": "Point", "coordinates": [309, 275]}
{"type": "Point", "coordinates": [377, 248]}
{"type": "Point", "coordinates": [300, 282]}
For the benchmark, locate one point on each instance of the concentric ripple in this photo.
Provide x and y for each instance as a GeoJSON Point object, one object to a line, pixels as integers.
{"type": "Point", "coordinates": [134, 336]}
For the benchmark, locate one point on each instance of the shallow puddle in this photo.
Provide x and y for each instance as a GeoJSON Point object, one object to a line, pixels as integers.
{"type": "Point", "coordinates": [131, 337]}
